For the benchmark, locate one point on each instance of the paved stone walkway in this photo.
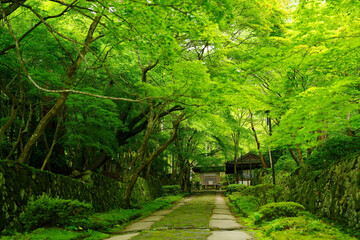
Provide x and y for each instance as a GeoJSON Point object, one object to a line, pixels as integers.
{"type": "Point", "coordinates": [222, 225]}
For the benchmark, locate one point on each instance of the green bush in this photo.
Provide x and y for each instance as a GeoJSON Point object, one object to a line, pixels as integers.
{"type": "Point", "coordinates": [334, 149]}
{"type": "Point", "coordinates": [235, 188]}
{"type": "Point", "coordinates": [105, 221]}
{"type": "Point", "coordinates": [48, 211]}
{"type": "Point", "coordinates": [111, 219]}
{"type": "Point", "coordinates": [171, 190]}
{"type": "Point", "coordinates": [280, 209]}
{"type": "Point", "coordinates": [285, 163]}
{"type": "Point", "coordinates": [246, 205]}
{"type": "Point", "coordinates": [302, 228]}
{"type": "Point", "coordinates": [263, 192]}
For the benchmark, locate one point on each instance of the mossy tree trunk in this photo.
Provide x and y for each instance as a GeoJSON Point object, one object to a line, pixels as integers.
{"type": "Point", "coordinates": [257, 140]}
{"type": "Point", "coordinates": [60, 102]}
{"type": "Point", "coordinates": [144, 159]}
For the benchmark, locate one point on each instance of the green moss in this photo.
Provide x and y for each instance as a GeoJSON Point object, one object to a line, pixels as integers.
{"type": "Point", "coordinates": [57, 234]}
{"type": "Point", "coordinates": [195, 215]}
{"type": "Point", "coordinates": [19, 182]}
{"type": "Point", "coordinates": [2, 179]}
{"type": "Point", "coordinates": [280, 209]}
{"type": "Point", "coordinates": [173, 235]}
{"type": "Point", "coordinates": [305, 226]}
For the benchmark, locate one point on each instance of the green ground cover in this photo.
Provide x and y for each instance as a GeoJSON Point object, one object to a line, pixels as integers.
{"type": "Point", "coordinates": [56, 233]}
{"type": "Point", "coordinates": [193, 215]}
{"type": "Point", "coordinates": [96, 226]}
{"type": "Point", "coordinates": [303, 226]}
{"type": "Point", "coordinates": [174, 235]}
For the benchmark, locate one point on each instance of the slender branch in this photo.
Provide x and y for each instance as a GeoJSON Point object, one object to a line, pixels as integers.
{"type": "Point", "coordinates": [10, 9]}
{"type": "Point", "coordinates": [64, 90]}
{"type": "Point", "coordinates": [2, 52]}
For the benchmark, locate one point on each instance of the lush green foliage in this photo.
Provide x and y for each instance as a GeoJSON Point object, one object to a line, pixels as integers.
{"type": "Point", "coordinates": [286, 163]}
{"type": "Point", "coordinates": [234, 188]}
{"type": "Point", "coordinates": [104, 221]}
{"type": "Point", "coordinates": [304, 226]}
{"type": "Point", "coordinates": [276, 210]}
{"type": "Point", "coordinates": [334, 149]}
{"type": "Point", "coordinates": [246, 205]}
{"type": "Point", "coordinates": [91, 226]}
{"type": "Point", "coordinates": [171, 190]}
{"type": "Point", "coordinates": [104, 85]}
{"type": "Point", "coordinates": [261, 193]}
{"type": "Point", "coordinates": [57, 234]}
{"type": "Point", "coordinates": [48, 211]}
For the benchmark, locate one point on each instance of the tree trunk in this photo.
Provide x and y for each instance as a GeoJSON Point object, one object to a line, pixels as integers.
{"type": "Point", "coordinates": [257, 140]}
{"type": "Point", "coordinates": [14, 109]}
{"type": "Point", "coordinates": [48, 155]}
{"type": "Point", "coordinates": [70, 73]}
{"type": "Point", "coordinates": [148, 160]}
{"type": "Point", "coordinates": [11, 8]}
{"type": "Point", "coordinates": [298, 150]}
{"type": "Point", "coordinates": [296, 158]}
{"type": "Point", "coordinates": [236, 154]}
{"type": "Point", "coordinates": [25, 154]}
{"type": "Point", "coordinates": [186, 181]}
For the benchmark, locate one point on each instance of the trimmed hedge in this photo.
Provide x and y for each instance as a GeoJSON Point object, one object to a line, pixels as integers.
{"type": "Point", "coordinates": [276, 210]}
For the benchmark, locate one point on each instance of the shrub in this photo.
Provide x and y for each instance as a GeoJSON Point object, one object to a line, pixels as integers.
{"type": "Point", "coordinates": [108, 220]}
{"type": "Point", "coordinates": [245, 204]}
{"type": "Point", "coordinates": [105, 221]}
{"type": "Point", "coordinates": [171, 190]}
{"type": "Point", "coordinates": [286, 163]}
{"type": "Point", "coordinates": [48, 211]}
{"type": "Point", "coordinates": [235, 188]}
{"type": "Point", "coordinates": [335, 148]}
{"type": "Point", "coordinates": [263, 192]}
{"type": "Point", "coordinates": [280, 209]}
{"type": "Point", "coordinates": [302, 228]}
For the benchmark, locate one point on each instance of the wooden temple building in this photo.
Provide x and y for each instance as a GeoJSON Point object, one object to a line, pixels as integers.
{"type": "Point", "coordinates": [245, 166]}
{"type": "Point", "coordinates": [209, 176]}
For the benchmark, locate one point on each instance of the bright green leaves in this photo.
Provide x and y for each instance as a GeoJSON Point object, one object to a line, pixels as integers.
{"type": "Point", "coordinates": [191, 80]}
{"type": "Point", "coordinates": [92, 123]}
{"type": "Point", "coordinates": [308, 76]}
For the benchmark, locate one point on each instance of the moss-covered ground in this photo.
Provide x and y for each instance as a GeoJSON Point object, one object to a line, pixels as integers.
{"type": "Point", "coordinates": [190, 221]}
{"type": "Point", "coordinates": [57, 234]}
{"type": "Point", "coordinates": [194, 234]}
{"type": "Point", "coordinates": [193, 215]}
{"type": "Point", "coordinates": [96, 226]}
{"type": "Point", "coordinates": [304, 227]}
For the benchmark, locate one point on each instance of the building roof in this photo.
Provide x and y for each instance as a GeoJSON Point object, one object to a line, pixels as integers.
{"type": "Point", "coordinates": [209, 169]}
{"type": "Point", "coordinates": [245, 162]}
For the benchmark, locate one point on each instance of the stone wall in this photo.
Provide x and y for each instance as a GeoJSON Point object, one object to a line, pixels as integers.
{"type": "Point", "coordinates": [19, 182]}
{"type": "Point", "coordinates": [333, 193]}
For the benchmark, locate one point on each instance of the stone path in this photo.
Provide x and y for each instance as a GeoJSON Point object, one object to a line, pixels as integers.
{"type": "Point", "coordinates": [222, 225]}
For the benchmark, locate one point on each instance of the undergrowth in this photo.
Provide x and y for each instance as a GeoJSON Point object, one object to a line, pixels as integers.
{"type": "Point", "coordinates": [89, 227]}
{"type": "Point", "coordinates": [285, 220]}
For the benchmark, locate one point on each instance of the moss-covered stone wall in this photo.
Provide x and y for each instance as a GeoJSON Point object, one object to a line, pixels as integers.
{"type": "Point", "coordinates": [333, 193]}
{"type": "Point", "coordinates": [19, 182]}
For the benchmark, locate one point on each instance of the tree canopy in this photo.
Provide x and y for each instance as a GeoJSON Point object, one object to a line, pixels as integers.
{"type": "Point", "coordinates": [155, 87]}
